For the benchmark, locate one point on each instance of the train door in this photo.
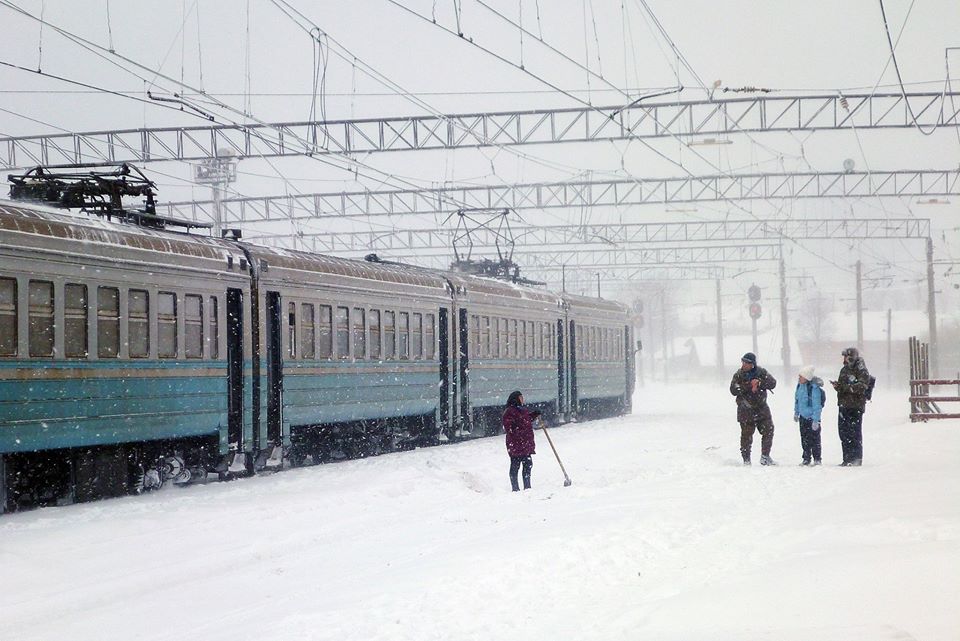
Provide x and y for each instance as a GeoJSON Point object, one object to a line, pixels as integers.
{"type": "Point", "coordinates": [444, 336]}
{"type": "Point", "coordinates": [235, 368]}
{"type": "Point", "coordinates": [466, 416]}
{"type": "Point", "coordinates": [574, 401]}
{"type": "Point", "coordinates": [274, 370]}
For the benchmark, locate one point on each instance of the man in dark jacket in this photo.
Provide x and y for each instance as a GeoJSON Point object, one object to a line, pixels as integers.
{"type": "Point", "coordinates": [851, 386]}
{"type": "Point", "coordinates": [750, 385]}
{"type": "Point", "coordinates": [518, 425]}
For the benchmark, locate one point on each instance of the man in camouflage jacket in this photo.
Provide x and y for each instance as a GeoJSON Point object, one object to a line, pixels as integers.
{"type": "Point", "coordinates": [750, 385]}
{"type": "Point", "coordinates": [851, 386]}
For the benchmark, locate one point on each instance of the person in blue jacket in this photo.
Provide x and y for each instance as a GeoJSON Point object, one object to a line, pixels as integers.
{"type": "Point", "coordinates": [808, 402]}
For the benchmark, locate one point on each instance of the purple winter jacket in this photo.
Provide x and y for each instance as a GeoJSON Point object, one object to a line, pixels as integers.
{"type": "Point", "coordinates": [518, 425]}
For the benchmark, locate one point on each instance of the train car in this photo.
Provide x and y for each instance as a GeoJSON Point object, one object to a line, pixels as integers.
{"type": "Point", "coordinates": [130, 356]}
{"type": "Point", "coordinates": [352, 357]}
{"type": "Point", "coordinates": [507, 340]}
{"type": "Point", "coordinates": [117, 350]}
{"type": "Point", "coordinates": [600, 357]}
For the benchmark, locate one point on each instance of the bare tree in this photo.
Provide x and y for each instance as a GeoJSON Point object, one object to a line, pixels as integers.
{"type": "Point", "coordinates": [813, 318]}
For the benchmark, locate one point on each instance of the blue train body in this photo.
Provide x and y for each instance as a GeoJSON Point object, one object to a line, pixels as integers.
{"type": "Point", "coordinates": [130, 357]}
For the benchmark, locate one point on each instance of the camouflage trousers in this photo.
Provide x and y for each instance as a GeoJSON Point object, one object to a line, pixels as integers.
{"type": "Point", "coordinates": [765, 427]}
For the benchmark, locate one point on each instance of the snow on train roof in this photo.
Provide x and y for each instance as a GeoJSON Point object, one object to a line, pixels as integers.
{"type": "Point", "coordinates": [395, 272]}
{"type": "Point", "coordinates": [44, 221]}
{"type": "Point", "coordinates": [576, 300]}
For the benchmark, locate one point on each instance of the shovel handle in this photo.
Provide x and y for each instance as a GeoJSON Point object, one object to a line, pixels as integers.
{"type": "Point", "coordinates": [566, 477]}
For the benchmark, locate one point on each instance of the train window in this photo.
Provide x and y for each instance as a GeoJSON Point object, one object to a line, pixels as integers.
{"type": "Point", "coordinates": [343, 332]}
{"type": "Point", "coordinates": [138, 323]}
{"type": "Point", "coordinates": [214, 333]}
{"type": "Point", "coordinates": [538, 340]}
{"type": "Point", "coordinates": [512, 351]}
{"type": "Point", "coordinates": [375, 351]}
{"type": "Point", "coordinates": [166, 325]}
{"type": "Point", "coordinates": [193, 325]}
{"type": "Point", "coordinates": [474, 336]}
{"type": "Point", "coordinates": [75, 321]}
{"type": "Point", "coordinates": [403, 335]}
{"type": "Point", "coordinates": [521, 340]}
{"type": "Point", "coordinates": [416, 337]}
{"type": "Point", "coordinates": [430, 337]}
{"type": "Point", "coordinates": [359, 333]}
{"type": "Point", "coordinates": [500, 347]}
{"type": "Point", "coordinates": [8, 317]}
{"type": "Point", "coordinates": [108, 322]}
{"type": "Point", "coordinates": [325, 331]}
{"type": "Point", "coordinates": [485, 337]}
{"type": "Point", "coordinates": [41, 318]}
{"type": "Point", "coordinates": [531, 339]}
{"type": "Point", "coordinates": [291, 330]}
{"type": "Point", "coordinates": [308, 348]}
{"type": "Point", "coordinates": [389, 336]}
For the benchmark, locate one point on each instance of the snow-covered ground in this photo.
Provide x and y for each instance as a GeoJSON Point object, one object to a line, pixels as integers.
{"type": "Point", "coordinates": [663, 535]}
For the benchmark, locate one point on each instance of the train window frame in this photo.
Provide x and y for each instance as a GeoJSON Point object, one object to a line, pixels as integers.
{"type": "Point", "coordinates": [106, 320]}
{"type": "Point", "coordinates": [474, 330]}
{"type": "Point", "coordinates": [192, 344]}
{"type": "Point", "coordinates": [389, 335]}
{"type": "Point", "coordinates": [403, 336]}
{"type": "Point", "coordinates": [430, 337]}
{"type": "Point", "coordinates": [167, 320]}
{"type": "Point", "coordinates": [416, 336]}
{"type": "Point", "coordinates": [10, 309]}
{"type": "Point", "coordinates": [358, 335]}
{"type": "Point", "coordinates": [290, 342]}
{"type": "Point", "coordinates": [342, 330]}
{"type": "Point", "coordinates": [142, 318]}
{"type": "Point", "coordinates": [40, 318]}
{"type": "Point", "coordinates": [325, 330]}
{"type": "Point", "coordinates": [375, 341]}
{"type": "Point", "coordinates": [80, 327]}
{"type": "Point", "coordinates": [485, 337]}
{"type": "Point", "coordinates": [512, 338]}
{"type": "Point", "coordinates": [308, 331]}
{"type": "Point", "coordinates": [213, 329]}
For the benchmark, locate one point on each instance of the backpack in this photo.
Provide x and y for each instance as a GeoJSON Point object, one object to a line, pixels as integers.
{"type": "Point", "coordinates": [870, 385]}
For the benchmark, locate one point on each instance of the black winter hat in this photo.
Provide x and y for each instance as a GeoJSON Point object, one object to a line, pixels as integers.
{"type": "Point", "coordinates": [749, 357]}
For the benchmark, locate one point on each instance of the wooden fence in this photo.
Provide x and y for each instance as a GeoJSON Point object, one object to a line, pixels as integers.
{"type": "Point", "coordinates": [923, 406]}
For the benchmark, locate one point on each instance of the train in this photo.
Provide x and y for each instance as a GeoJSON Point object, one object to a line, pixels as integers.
{"type": "Point", "coordinates": [133, 356]}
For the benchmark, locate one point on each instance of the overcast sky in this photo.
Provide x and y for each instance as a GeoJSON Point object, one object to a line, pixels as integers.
{"type": "Point", "coordinates": [252, 55]}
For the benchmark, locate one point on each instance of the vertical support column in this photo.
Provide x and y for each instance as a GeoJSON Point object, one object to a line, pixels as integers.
{"type": "Point", "coordinates": [719, 330]}
{"type": "Point", "coordinates": [784, 320]}
{"type": "Point", "coordinates": [859, 308]}
{"type": "Point", "coordinates": [889, 340]}
{"type": "Point", "coordinates": [663, 335]}
{"type": "Point", "coordinates": [931, 309]}
{"type": "Point", "coordinates": [3, 486]}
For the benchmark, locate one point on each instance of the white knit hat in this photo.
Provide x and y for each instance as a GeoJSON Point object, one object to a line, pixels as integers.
{"type": "Point", "coordinates": [807, 372]}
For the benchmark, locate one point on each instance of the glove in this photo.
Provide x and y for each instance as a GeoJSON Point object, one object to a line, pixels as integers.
{"type": "Point", "coordinates": [815, 426]}
{"type": "Point", "coordinates": [535, 414]}
{"type": "Point", "coordinates": [796, 418]}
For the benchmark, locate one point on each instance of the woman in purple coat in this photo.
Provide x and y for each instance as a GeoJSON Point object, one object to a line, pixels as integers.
{"type": "Point", "coordinates": [518, 426]}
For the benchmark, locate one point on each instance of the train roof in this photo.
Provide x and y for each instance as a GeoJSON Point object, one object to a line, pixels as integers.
{"type": "Point", "coordinates": [38, 220]}
{"type": "Point", "coordinates": [578, 302]}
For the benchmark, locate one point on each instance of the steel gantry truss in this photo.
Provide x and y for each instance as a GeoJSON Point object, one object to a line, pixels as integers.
{"type": "Point", "coordinates": [762, 113]}
{"type": "Point", "coordinates": [594, 193]}
{"type": "Point", "coordinates": [583, 237]}
{"type": "Point", "coordinates": [545, 260]}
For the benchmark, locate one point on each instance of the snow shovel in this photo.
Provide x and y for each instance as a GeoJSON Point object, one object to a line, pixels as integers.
{"type": "Point", "coordinates": [566, 478]}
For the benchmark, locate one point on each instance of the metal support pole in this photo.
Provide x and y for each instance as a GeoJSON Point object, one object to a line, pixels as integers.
{"type": "Point", "coordinates": [753, 331]}
{"type": "Point", "coordinates": [889, 339]}
{"type": "Point", "coordinates": [859, 308]}
{"type": "Point", "coordinates": [563, 276]}
{"type": "Point", "coordinates": [719, 330]}
{"type": "Point", "coordinates": [598, 285]}
{"type": "Point", "coordinates": [663, 335]}
{"type": "Point", "coordinates": [931, 309]}
{"type": "Point", "coordinates": [784, 320]}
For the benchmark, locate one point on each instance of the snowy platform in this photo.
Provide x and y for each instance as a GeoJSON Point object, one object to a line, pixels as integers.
{"type": "Point", "coordinates": [663, 535]}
